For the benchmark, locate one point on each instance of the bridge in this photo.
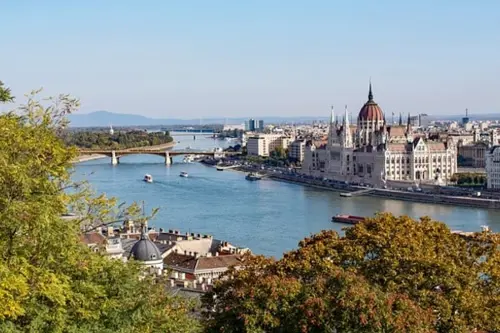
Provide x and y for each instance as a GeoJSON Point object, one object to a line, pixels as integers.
{"type": "Point", "coordinates": [167, 154]}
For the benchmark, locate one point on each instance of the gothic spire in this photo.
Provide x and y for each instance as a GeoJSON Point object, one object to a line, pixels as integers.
{"type": "Point", "coordinates": [370, 93]}
{"type": "Point", "coordinates": [346, 117]}
{"type": "Point", "coordinates": [400, 119]}
{"type": "Point", "coordinates": [332, 116]}
{"type": "Point", "coordinates": [346, 130]}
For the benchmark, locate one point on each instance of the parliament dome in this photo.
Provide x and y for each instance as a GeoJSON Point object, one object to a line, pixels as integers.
{"type": "Point", "coordinates": [370, 111]}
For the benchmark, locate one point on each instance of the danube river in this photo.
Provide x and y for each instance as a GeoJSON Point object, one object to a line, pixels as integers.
{"type": "Point", "coordinates": [268, 216]}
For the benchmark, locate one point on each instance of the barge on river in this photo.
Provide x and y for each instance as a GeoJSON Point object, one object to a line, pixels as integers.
{"type": "Point", "coordinates": [347, 219]}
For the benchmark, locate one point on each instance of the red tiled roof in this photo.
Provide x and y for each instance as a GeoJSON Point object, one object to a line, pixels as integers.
{"type": "Point", "coordinates": [92, 238]}
{"type": "Point", "coordinates": [218, 262]}
{"type": "Point", "coordinates": [435, 146]}
{"type": "Point", "coordinates": [396, 130]}
{"type": "Point", "coordinates": [398, 147]}
{"type": "Point", "coordinates": [175, 260]}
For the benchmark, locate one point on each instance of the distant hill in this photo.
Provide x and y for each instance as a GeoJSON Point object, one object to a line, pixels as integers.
{"type": "Point", "coordinates": [105, 118]}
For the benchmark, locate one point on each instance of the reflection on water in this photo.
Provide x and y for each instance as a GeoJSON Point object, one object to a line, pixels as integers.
{"type": "Point", "coordinates": [268, 216]}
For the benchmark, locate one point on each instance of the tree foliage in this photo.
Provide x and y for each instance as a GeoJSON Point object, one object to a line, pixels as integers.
{"type": "Point", "coordinates": [5, 94]}
{"type": "Point", "coordinates": [387, 274]}
{"type": "Point", "coordinates": [119, 140]}
{"type": "Point", "coordinates": [49, 281]}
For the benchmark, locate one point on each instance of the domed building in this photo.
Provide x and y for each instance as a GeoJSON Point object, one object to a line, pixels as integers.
{"type": "Point", "coordinates": [147, 253]}
{"type": "Point", "coordinates": [373, 152]}
{"type": "Point", "coordinates": [370, 120]}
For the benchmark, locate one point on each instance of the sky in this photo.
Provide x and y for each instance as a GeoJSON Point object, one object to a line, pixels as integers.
{"type": "Point", "coordinates": [199, 58]}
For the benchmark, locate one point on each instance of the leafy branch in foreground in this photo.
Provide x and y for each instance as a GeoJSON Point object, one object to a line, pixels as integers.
{"type": "Point", "coordinates": [49, 281]}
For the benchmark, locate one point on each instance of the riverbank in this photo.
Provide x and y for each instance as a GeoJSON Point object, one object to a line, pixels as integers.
{"type": "Point", "coordinates": [433, 198]}
{"type": "Point", "coordinates": [85, 158]}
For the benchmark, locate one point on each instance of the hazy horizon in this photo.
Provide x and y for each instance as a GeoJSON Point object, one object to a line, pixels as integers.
{"type": "Point", "coordinates": [224, 59]}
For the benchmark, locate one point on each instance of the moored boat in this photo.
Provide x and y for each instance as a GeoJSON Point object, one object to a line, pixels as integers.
{"type": "Point", "coordinates": [184, 174]}
{"type": "Point", "coordinates": [348, 219]}
{"type": "Point", "coordinates": [253, 176]}
{"type": "Point", "coordinates": [219, 168]}
{"type": "Point", "coordinates": [148, 178]}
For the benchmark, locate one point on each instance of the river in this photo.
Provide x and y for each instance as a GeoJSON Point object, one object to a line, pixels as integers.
{"type": "Point", "coordinates": [267, 216]}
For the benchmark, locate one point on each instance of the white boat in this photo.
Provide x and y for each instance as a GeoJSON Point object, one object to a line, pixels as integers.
{"type": "Point", "coordinates": [188, 159]}
{"type": "Point", "coordinates": [184, 174]}
{"type": "Point", "coordinates": [148, 178]}
{"type": "Point", "coordinates": [252, 176]}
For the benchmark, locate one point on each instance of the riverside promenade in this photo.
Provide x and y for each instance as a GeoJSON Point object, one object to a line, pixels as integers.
{"type": "Point", "coordinates": [432, 198]}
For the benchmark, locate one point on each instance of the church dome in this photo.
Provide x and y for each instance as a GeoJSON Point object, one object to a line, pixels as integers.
{"type": "Point", "coordinates": [145, 250]}
{"type": "Point", "coordinates": [370, 111]}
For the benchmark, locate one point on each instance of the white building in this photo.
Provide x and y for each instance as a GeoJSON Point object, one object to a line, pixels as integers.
{"type": "Point", "coordinates": [296, 150]}
{"type": "Point", "coordinates": [265, 144]}
{"type": "Point", "coordinates": [373, 152]}
{"type": "Point", "coordinates": [493, 168]}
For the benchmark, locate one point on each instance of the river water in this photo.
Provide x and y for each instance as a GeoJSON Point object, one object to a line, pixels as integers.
{"type": "Point", "coordinates": [267, 216]}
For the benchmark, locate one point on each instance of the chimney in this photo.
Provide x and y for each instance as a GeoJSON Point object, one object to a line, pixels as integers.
{"type": "Point", "coordinates": [161, 230]}
{"type": "Point", "coordinates": [198, 235]}
{"type": "Point", "coordinates": [176, 250]}
{"type": "Point", "coordinates": [192, 234]}
{"type": "Point", "coordinates": [185, 252]}
{"type": "Point", "coordinates": [170, 231]}
{"type": "Point", "coordinates": [176, 232]}
{"type": "Point", "coordinates": [196, 254]}
{"type": "Point", "coordinates": [190, 253]}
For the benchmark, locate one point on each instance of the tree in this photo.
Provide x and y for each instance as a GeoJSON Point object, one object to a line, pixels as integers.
{"type": "Point", "coordinates": [49, 281]}
{"type": "Point", "coordinates": [387, 274]}
{"type": "Point", "coordinates": [5, 94]}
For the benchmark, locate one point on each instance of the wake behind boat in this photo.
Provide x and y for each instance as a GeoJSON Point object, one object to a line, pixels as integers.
{"type": "Point", "coordinates": [184, 174]}
{"type": "Point", "coordinates": [148, 178]}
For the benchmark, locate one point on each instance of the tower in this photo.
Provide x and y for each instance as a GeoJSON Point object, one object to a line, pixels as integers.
{"type": "Point", "coordinates": [370, 120]}
{"type": "Point", "coordinates": [346, 131]}
{"type": "Point", "coordinates": [332, 132]}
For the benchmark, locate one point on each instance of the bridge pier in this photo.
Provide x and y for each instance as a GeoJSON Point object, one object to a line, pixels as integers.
{"type": "Point", "coordinates": [114, 159]}
{"type": "Point", "coordinates": [168, 159]}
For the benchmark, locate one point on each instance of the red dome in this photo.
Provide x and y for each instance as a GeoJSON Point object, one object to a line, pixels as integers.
{"type": "Point", "coordinates": [371, 110]}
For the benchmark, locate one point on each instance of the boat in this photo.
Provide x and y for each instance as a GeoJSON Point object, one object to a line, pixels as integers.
{"type": "Point", "coordinates": [184, 174]}
{"type": "Point", "coordinates": [253, 176]}
{"type": "Point", "coordinates": [188, 159]}
{"type": "Point", "coordinates": [219, 168]}
{"type": "Point", "coordinates": [148, 178]}
{"type": "Point", "coordinates": [346, 194]}
{"type": "Point", "coordinates": [348, 219]}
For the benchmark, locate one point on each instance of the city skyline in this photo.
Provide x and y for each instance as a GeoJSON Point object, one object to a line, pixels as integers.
{"type": "Point", "coordinates": [223, 59]}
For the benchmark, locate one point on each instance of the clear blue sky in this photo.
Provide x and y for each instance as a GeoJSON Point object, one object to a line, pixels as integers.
{"type": "Point", "coordinates": [189, 59]}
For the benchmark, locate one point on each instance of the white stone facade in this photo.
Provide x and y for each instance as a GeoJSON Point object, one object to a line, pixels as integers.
{"type": "Point", "coordinates": [373, 152]}
{"type": "Point", "coordinates": [493, 168]}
